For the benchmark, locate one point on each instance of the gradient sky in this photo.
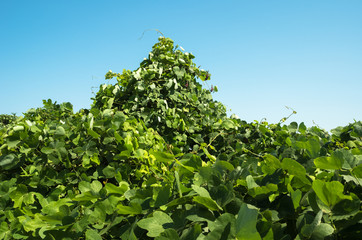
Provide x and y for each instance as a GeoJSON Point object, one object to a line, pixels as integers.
{"type": "Point", "coordinates": [263, 55]}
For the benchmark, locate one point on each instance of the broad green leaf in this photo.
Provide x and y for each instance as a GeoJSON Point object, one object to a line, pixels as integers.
{"type": "Point", "coordinates": [84, 186]}
{"type": "Point", "coordinates": [162, 196]}
{"type": "Point", "coordinates": [251, 182]}
{"type": "Point", "coordinates": [96, 186]}
{"type": "Point", "coordinates": [92, 234]}
{"type": "Point", "coordinates": [270, 164]}
{"type": "Point", "coordinates": [133, 209]}
{"type": "Point", "coordinates": [201, 191]}
{"type": "Point", "coordinates": [207, 202]}
{"type": "Point", "coordinates": [296, 197]}
{"type": "Point", "coordinates": [302, 128]}
{"type": "Point", "coordinates": [329, 193]}
{"type": "Point", "coordinates": [155, 225]}
{"type": "Point", "coordinates": [179, 201]}
{"type": "Point", "coordinates": [113, 189]}
{"type": "Point", "coordinates": [357, 171]}
{"type": "Point", "coordinates": [192, 233]}
{"type": "Point", "coordinates": [308, 229]}
{"type": "Point", "coordinates": [93, 133]}
{"type": "Point", "coordinates": [263, 190]}
{"type": "Point", "coordinates": [168, 234]}
{"type": "Point", "coordinates": [293, 167]}
{"type": "Point", "coordinates": [346, 156]}
{"type": "Point", "coordinates": [12, 144]}
{"type": "Point", "coordinates": [228, 124]}
{"type": "Point", "coordinates": [162, 156]}
{"type": "Point", "coordinates": [47, 150]}
{"type": "Point", "coordinates": [60, 131]}
{"type": "Point", "coordinates": [312, 147]}
{"type": "Point", "coordinates": [245, 224]}
{"type": "Point", "coordinates": [32, 224]}
{"type": "Point", "coordinates": [18, 195]}
{"type": "Point", "coordinates": [322, 230]}
{"type": "Point", "coordinates": [335, 161]}
{"type": "Point", "coordinates": [109, 171]}
{"type": "Point", "coordinates": [18, 128]}
{"type": "Point", "coordinates": [87, 196]}
{"type": "Point", "coordinates": [118, 137]}
{"type": "Point", "coordinates": [293, 126]}
{"type": "Point", "coordinates": [8, 161]}
{"type": "Point", "coordinates": [139, 153]}
{"type": "Point", "coordinates": [224, 165]}
{"type": "Point", "coordinates": [222, 228]}
{"type": "Point", "coordinates": [5, 232]}
{"type": "Point", "coordinates": [178, 72]}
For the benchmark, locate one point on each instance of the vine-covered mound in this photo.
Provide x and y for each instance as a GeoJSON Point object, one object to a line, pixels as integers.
{"type": "Point", "coordinates": [156, 158]}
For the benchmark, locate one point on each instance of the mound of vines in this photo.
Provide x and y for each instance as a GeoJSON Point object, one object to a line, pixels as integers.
{"type": "Point", "coordinates": [155, 157]}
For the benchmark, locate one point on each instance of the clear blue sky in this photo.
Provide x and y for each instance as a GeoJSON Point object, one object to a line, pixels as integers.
{"type": "Point", "coordinates": [263, 55]}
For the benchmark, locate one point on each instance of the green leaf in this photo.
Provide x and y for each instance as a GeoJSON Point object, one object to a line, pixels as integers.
{"type": "Point", "coordinates": [293, 167]}
{"type": "Point", "coordinates": [251, 182]}
{"type": "Point", "coordinates": [207, 202]}
{"type": "Point", "coordinates": [321, 231]}
{"type": "Point", "coordinates": [262, 190]}
{"type": "Point", "coordinates": [112, 189]}
{"type": "Point", "coordinates": [302, 128]}
{"type": "Point", "coordinates": [18, 128]}
{"type": "Point", "coordinates": [192, 233]}
{"type": "Point", "coordinates": [60, 131]}
{"type": "Point", "coordinates": [178, 72]}
{"type": "Point", "coordinates": [109, 171]}
{"type": "Point", "coordinates": [162, 156]}
{"type": "Point", "coordinates": [228, 124]}
{"type": "Point", "coordinates": [211, 157]}
{"type": "Point", "coordinates": [296, 197]}
{"type": "Point", "coordinates": [91, 234]}
{"type": "Point", "coordinates": [330, 193]}
{"type": "Point", "coordinates": [313, 148]}
{"type": "Point", "coordinates": [162, 196]}
{"type": "Point", "coordinates": [8, 161]}
{"type": "Point", "coordinates": [87, 196]}
{"type": "Point", "coordinates": [93, 133]}
{"type": "Point", "coordinates": [222, 228]}
{"type": "Point", "coordinates": [357, 171]}
{"type": "Point", "coordinates": [333, 162]}
{"type": "Point", "coordinates": [12, 144]}
{"type": "Point", "coordinates": [47, 150]}
{"type": "Point", "coordinates": [155, 225]}
{"type": "Point", "coordinates": [4, 231]}
{"type": "Point", "coordinates": [308, 229]}
{"type": "Point", "coordinates": [168, 234]}
{"type": "Point", "coordinates": [133, 209]}
{"type": "Point", "coordinates": [201, 191]}
{"type": "Point", "coordinates": [245, 224]}
{"type": "Point", "coordinates": [223, 165]}
{"type": "Point", "coordinates": [118, 137]}
{"type": "Point", "coordinates": [348, 159]}
{"type": "Point", "coordinates": [96, 186]}
{"type": "Point", "coordinates": [270, 164]}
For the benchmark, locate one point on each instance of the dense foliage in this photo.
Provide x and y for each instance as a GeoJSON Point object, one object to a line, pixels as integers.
{"type": "Point", "coordinates": [6, 119]}
{"type": "Point", "coordinates": [155, 157]}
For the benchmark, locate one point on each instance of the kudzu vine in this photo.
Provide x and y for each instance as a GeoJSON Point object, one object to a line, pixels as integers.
{"type": "Point", "coordinates": [155, 157]}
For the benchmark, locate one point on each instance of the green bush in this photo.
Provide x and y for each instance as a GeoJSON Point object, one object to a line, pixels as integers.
{"type": "Point", "coordinates": [155, 157]}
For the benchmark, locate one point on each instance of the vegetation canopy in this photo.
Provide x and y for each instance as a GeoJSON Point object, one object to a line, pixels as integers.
{"type": "Point", "coordinates": [155, 157]}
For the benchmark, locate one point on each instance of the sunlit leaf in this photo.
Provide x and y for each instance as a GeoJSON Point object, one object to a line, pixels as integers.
{"type": "Point", "coordinates": [156, 224]}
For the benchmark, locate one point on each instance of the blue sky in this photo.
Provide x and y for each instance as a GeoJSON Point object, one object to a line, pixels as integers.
{"type": "Point", "coordinates": [263, 55]}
